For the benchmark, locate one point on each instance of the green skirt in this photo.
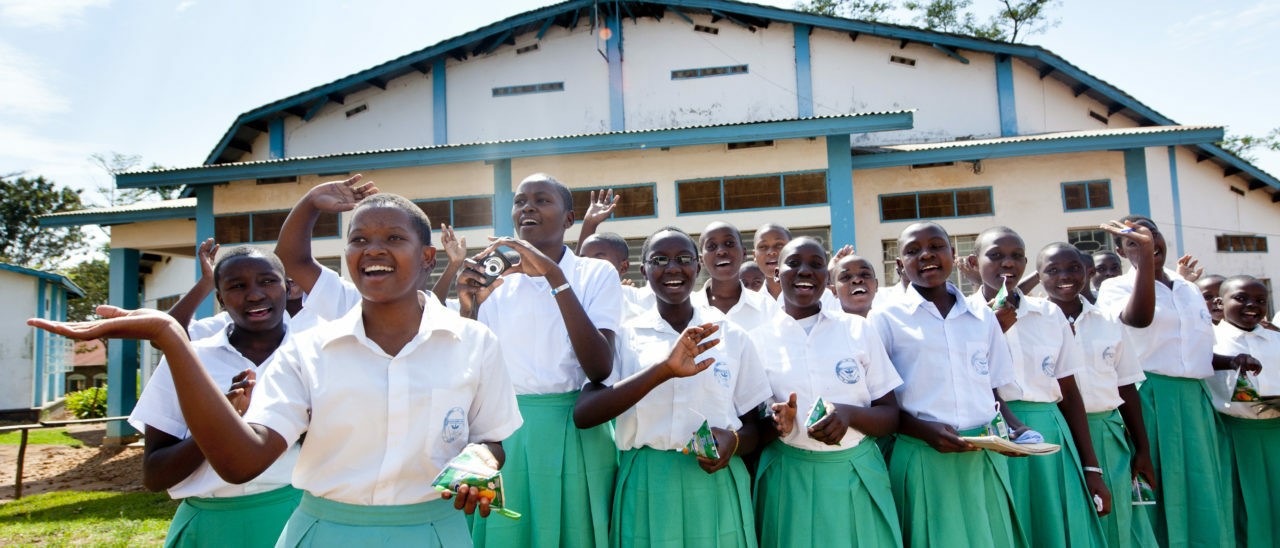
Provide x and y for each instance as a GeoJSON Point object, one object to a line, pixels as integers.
{"type": "Point", "coordinates": [1255, 445]}
{"type": "Point", "coordinates": [1049, 491]}
{"type": "Point", "coordinates": [953, 499]}
{"type": "Point", "coordinates": [1126, 526]}
{"type": "Point", "coordinates": [560, 477]}
{"type": "Point", "coordinates": [825, 498]}
{"type": "Point", "coordinates": [250, 520]}
{"type": "Point", "coordinates": [1193, 503]}
{"type": "Point", "coordinates": [664, 499]}
{"type": "Point", "coordinates": [324, 522]}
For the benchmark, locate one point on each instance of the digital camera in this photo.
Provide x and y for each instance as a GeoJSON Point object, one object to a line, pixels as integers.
{"type": "Point", "coordinates": [494, 264]}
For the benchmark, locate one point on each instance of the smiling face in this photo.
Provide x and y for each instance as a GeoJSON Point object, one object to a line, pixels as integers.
{"type": "Point", "coordinates": [768, 246]}
{"type": "Point", "coordinates": [1062, 272]}
{"type": "Point", "coordinates": [252, 291]}
{"type": "Point", "coordinates": [925, 255]}
{"type": "Point", "coordinates": [856, 284]}
{"type": "Point", "coordinates": [385, 255]}
{"type": "Point", "coordinates": [751, 275]}
{"type": "Point", "coordinates": [1106, 266]}
{"type": "Point", "coordinates": [1001, 256]}
{"type": "Point", "coordinates": [671, 281]}
{"type": "Point", "coordinates": [1125, 246]}
{"type": "Point", "coordinates": [1210, 288]}
{"type": "Point", "coordinates": [721, 251]}
{"type": "Point", "coordinates": [1244, 303]}
{"type": "Point", "coordinates": [802, 272]}
{"type": "Point", "coordinates": [540, 214]}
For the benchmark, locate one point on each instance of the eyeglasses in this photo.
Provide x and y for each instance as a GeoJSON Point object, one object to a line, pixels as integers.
{"type": "Point", "coordinates": [662, 260]}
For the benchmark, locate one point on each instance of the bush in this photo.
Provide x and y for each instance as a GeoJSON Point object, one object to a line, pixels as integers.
{"type": "Point", "coordinates": [90, 403]}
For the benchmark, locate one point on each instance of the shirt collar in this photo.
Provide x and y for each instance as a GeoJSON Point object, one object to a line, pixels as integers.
{"type": "Point", "coordinates": [222, 339]}
{"type": "Point", "coordinates": [913, 300]}
{"type": "Point", "coordinates": [1227, 329]}
{"type": "Point", "coordinates": [748, 298]}
{"type": "Point", "coordinates": [435, 317]}
{"type": "Point", "coordinates": [653, 320]}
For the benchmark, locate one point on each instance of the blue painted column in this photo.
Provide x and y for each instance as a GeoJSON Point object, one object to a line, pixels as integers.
{"type": "Point", "coordinates": [275, 138]}
{"type": "Point", "coordinates": [122, 356]}
{"type": "Point", "coordinates": [1004, 94]}
{"type": "Point", "coordinates": [840, 191]}
{"type": "Point", "coordinates": [503, 198]}
{"type": "Point", "coordinates": [804, 73]}
{"type": "Point", "coordinates": [1177, 198]}
{"type": "Point", "coordinates": [617, 107]}
{"type": "Point", "coordinates": [204, 231]}
{"type": "Point", "coordinates": [439, 104]}
{"type": "Point", "coordinates": [1135, 175]}
{"type": "Point", "coordinates": [39, 368]}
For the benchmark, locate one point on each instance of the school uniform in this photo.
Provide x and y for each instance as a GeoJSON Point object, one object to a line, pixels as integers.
{"type": "Point", "coordinates": [662, 496]}
{"type": "Point", "coordinates": [214, 512]}
{"type": "Point", "coordinates": [1187, 449]}
{"type": "Point", "coordinates": [949, 367]}
{"type": "Point", "coordinates": [380, 427]}
{"type": "Point", "coordinates": [751, 311]}
{"type": "Point", "coordinates": [1109, 363]}
{"type": "Point", "coordinates": [886, 294]}
{"type": "Point", "coordinates": [828, 299]}
{"type": "Point", "coordinates": [636, 300]}
{"type": "Point", "coordinates": [561, 474]}
{"type": "Point", "coordinates": [1254, 433]}
{"type": "Point", "coordinates": [809, 493]}
{"type": "Point", "coordinates": [1049, 491]}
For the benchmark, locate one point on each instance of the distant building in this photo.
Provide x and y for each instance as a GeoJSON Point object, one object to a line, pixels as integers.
{"type": "Point", "coordinates": [33, 362]}
{"type": "Point", "coordinates": [89, 366]}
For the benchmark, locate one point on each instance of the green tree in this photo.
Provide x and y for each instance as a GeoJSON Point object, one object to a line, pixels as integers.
{"type": "Point", "coordinates": [866, 10]}
{"type": "Point", "coordinates": [93, 276]}
{"type": "Point", "coordinates": [1245, 146]}
{"type": "Point", "coordinates": [114, 163]}
{"type": "Point", "coordinates": [1013, 20]}
{"type": "Point", "coordinates": [23, 241]}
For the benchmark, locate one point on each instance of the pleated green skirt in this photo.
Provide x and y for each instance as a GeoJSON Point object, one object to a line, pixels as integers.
{"type": "Point", "coordinates": [1255, 446]}
{"type": "Point", "coordinates": [322, 522]}
{"type": "Point", "coordinates": [1194, 501]}
{"type": "Point", "coordinates": [953, 499]}
{"type": "Point", "coordinates": [825, 498]}
{"type": "Point", "coordinates": [559, 476]}
{"type": "Point", "coordinates": [251, 520]}
{"type": "Point", "coordinates": [664, 499]}
{"type": "Point", "coordinates": [1049, 490]}
{"type": "Point", "coordinates": [1126, 526]}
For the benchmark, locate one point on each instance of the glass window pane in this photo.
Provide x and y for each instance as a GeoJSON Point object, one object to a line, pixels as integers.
{"type": "Point", "coordinates": [266, 226]}
{"type": "Point", "coordinates": [437, 211]}
{"type": "Point", "coordinates": [581, 201]}
{"type": "Point", "coordinates": [698, 196]}
{"type": "Point", "coordinates": [805, 188]}
{"type": "Point", "coordinates": [1073, 197]}
{"type": "Point", "coordinates": [889, 249]}
{"type": "Point", "coordinates": [974, 202]}
{"type": "Point", "coordinates": [635, 201]}
{"type": "Point", "coordinates": [1099, 194]}
{"type": "Point", "coordinates": [1090, 240]}
{"type": "Point", "coordinates": [326, 226]}
{"type": "Point", "coordinates": [896, 208]}
{"type": "Point", "coordinates": [752, 192]}
{"type": "Point", "coordinates": [468, 212]}
{"type": "Point", "coordinates": [937, 204]}
{"type": "Point", "coordinates": [231, 229]}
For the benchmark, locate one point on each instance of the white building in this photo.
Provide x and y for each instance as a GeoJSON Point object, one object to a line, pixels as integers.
{"type": "Point", "coordinates": [702, 110]}
{"type": "Point", "coordinates": [33, 363]}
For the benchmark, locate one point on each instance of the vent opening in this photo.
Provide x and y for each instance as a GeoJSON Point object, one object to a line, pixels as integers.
{"type": "Point", "coordinates": [904, 61]}
{"type": "Point", "coordinates": [706, 29]}
{"type": "Point", "coordinates": [750, 144]}
{"type": "Point", "coordinates": [526, 49]}
{"type": "Point", "coordinates": [1099, 117]}
{"type": "Point", "coordinates": [357, 110]}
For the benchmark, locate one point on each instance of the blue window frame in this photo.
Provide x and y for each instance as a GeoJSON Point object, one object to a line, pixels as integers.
{"type": "Point", "coordinates": [937, 204]}
{"type": "Point", "coordinates": [1085, 195]}
{"type": "Point", "coordinates": [264, 226]}
{"type": "Point", "coordinates": [705, 72]}
{"type": "Point", "coordinates": [460, 212]}
{"type": "Point", "coordinates": [634, 201]}
{"type": "Point", "coordinates": [748, 192]}
{"type": "Point", "coordinates": [1241, 243]}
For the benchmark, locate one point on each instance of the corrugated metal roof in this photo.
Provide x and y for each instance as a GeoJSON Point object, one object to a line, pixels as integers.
{"type": "Point", "coordinates": [1061, 135]}
{"type": "Point", "coordinates": [180, 203]}
{"type": "Point", "coordinates": [73, 289]}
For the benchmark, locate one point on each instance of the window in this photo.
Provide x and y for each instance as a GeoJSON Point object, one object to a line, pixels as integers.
{"type": "Point", "coordinates": [1242, 244]}
{"type": "Point", "coordinates": [165, 303]}
{"type": "Point", "coordinates": [633, 201]}
{"type": "Point", "coordinates": [467, 212]}
{"type": "Point", "coordinates": [1091, 240]}
{"type": "Point", "coordinates": [1086, 195]}
{"type": "Point", "coordinates": [967, 202]}
{"type": "Point", "coordinates": [525, 89]}
{"type": "Point", "coordinates": [76, 382]}
{"type": "Point", "coordinates": [331, 263]}
{"type": "Point", "coordinates": [963, 244]}
{"type": "Point", "coordinates": [686, 74]}
{"type": "Point", "coordinates": [100, 379]}
{"type": "Point", "coordinates": [752, 192]}
{"type": "Point", "coordinates": [265, 227]}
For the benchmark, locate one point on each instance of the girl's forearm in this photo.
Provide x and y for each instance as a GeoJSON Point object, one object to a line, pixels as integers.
{"type": "Point", "coordinates": [598, 404]}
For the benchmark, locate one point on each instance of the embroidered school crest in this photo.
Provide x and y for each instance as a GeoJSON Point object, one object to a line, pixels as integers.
{"type": "Point", "coordinates": [847, 371]}
{"type": "Point", "coordinates": [1109, 356]}
{"type": "Point", "coordinates": [981, 362]}
{"type": "Point", "coordinates": [722, 373]}
{"type": "Point", "coordinates": [1048, 365]}
{"type": "Point", "coordinates": [455, 425]}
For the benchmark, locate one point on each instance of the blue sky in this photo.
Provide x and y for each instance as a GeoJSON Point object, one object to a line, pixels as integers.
{"type": "Point", "coordinates": [164, 79]}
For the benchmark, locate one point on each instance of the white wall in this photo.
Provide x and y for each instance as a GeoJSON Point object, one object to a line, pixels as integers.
{"type": "Point", "coordinates": [1049, 105]}
{"type": "Point", "coordinates": [400, 116]}
{"type": "Point", "coordinates": [16, 340]}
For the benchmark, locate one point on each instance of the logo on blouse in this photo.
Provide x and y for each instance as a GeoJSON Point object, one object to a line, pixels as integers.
{"type": "Point", "coordinates": [722, 374]}
{"type": "Point", "coordinates": [1109, 356]}
{"type": "Point", "coordinates": [981, 362]}
{"type": "Point", "coordinates": [1048, 365]}
{"type": "Point", "coordinates": [455, 424]}
{"type": "Point", "coordinates": [847, 371]}
{"type": "Point", "coordinates": [1204, 315]}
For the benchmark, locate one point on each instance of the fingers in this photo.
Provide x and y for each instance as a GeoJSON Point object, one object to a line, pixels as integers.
{"type": "Point", "coordinates": [791, 401]}
{"type": "Point", "coordinates": [109, 311]}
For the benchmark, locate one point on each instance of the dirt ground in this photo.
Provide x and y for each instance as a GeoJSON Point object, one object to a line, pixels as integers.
{"type": "Point", "coordinates": [60, 468]}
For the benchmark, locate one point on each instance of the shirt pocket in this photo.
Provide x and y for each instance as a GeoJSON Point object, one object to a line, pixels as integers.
{"type": "Point", "coordinates": [1103, 355]}
{"type": "Point", "coordinates": [1045, 359]}
{"type": "Point", "coordinates": [713, 388]}
{"type": "Point", "coordinates": [448, 428]}
{"type": "Point", "coordinates": [977, 359]}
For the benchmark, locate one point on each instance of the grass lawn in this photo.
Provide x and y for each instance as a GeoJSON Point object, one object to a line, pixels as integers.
{"type": "Point", "coordinates": [47, 436]}
{"type": "Point", "coordinates": [86, 519]}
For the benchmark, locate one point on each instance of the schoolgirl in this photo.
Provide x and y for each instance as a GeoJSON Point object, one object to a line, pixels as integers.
{"type": "Point", "coordinates": [824, 484]}
{"type": "Point", "coordinates": [360, 388]}
{"type": "Point", "coordinates": [722, 254]}
{"type": "Point", "coordinates": [660, 394]}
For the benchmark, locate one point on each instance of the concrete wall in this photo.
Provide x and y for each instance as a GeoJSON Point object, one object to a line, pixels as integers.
{"type": "Point", "coordinates": [18, 291]}
{"type": "Point", "coordinates": [400, 116]}
{"type": "Point", "coordinates": [1047, 105]}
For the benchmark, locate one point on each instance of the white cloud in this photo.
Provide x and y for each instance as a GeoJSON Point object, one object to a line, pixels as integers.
{"type": "Point", "coordinates": [1240, 25]}
{"type": "Point", "coordinates": [45, 13]}
{"type": "Point", "coordinates": [26, 91]}
{"type": "Point", "coordinates": [65, 161]}
{"type": "Point", "coordinates": [184, 5]}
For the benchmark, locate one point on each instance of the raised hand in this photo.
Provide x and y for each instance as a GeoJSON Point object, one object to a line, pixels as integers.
{"type": "Point", "coordinates": [339, 196]}
{"type": "Point", "coordinates": [784, 416]}
{"type": "Point", "coordinates": [969, 269]}
{"type": "Point", "coordinates": [117, 323]}
{"type": "Point", "coordinates": [1134, 232]}
{"type": "Point", "coordinates": [841, 253]}
{"type": "Point", "coordinates": [601, 207]}
{"type": "Point", "coordinates": [1189, 268]}
{"type": "Point", "coordinates": [691, 344]}
{"type": "Point", "coordinates": [454, 247]}
{"type": "Point", "coordinates": [207, 252]}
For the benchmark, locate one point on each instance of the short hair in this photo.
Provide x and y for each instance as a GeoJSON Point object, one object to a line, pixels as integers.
{"type": "Point", "coordinates": [716, 225]}
{"type": "Point", "coordinates": [246, 251]}
{"type": "Point", "coordinates": [797, 242]}
{"type": "Point", "coordinates": [1208, 279]}
{"type": "Point", "coordinates": [1239, 279]}
{"type": "Point", "coordinates": [994, 232]}
{"type": "Point", "coordinates": [611, 239]}
{"type": "Point", "coordinates": [747, 265]}
{"type": "Point", "coordinates": [1054, 247]}
{"type": "Point", "coordinates": [648, 242]}
{"type": "Point", "coordinates": [1105, 253]}
{"type": "Point", "coordinates": [771, 226]}
{"type": "Point", "coordinates": [421, 223]}
{"type": "Point", "coordinates": [919, 226]}
{"type": "Point", "coordinates": [1087, 258]}
{"type": "Point", "coordinates": [565, 194]}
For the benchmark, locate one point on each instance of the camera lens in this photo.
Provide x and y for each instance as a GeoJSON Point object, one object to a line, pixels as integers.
{"type": "Point", "coordinates": [493, 266]}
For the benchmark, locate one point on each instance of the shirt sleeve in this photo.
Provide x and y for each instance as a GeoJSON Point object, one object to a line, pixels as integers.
{"type": "Point", "coordinates": [1128, 368]}
{"type": "Point", "coordinates": [1001, 361]}
{"type": "Point", "coordinates": [603, 301]}
{"type": "Point", "coordinates": [882, 377]}
{"type": "Point", "coordinates": [282, 397]}
{"type": "Point", "coordinates": [494, 414]}
{"type": "Point", "coordinates": [158, 407]}
{"type": "Point", "coordinates": [332, 297]}
{"type": "Point", "coordinates": [752, 387]}
{"type": "Point", "coordinates": [207, 327]}
{"type": "Point", "coordinates": [879, 323]}
{"type": "Point", "coordinates": [1113, 296]}
{"type": "Point", "coordinates": [1070, 357]}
